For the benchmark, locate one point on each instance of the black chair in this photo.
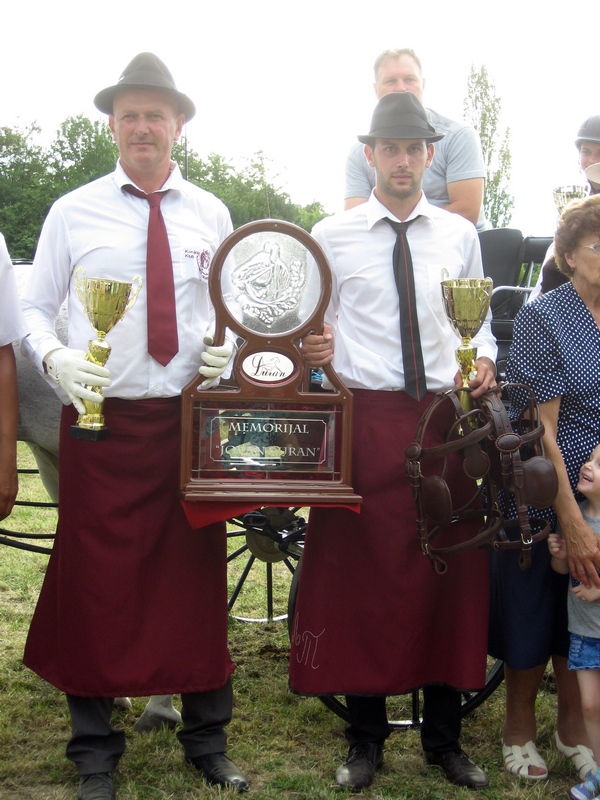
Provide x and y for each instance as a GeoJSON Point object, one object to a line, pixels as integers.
{"type": "Point", "coordinates": [534, 255]}
{"type": "Point", "coordinates": [502, 256]}
{"type": "Point", "coordinates": [502, 253]}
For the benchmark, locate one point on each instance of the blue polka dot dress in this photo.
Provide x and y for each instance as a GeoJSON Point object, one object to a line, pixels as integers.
{"type": "Point", "coordinates": [555, 351]}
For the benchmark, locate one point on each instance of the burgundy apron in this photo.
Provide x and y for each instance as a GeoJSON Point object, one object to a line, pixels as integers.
{"type": "Point", "coordinates": [134, 601]}
{"type": "Point", "coordinates": [372, 617]}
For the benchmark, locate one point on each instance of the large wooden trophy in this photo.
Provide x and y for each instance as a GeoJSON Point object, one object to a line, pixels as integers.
{"type": "Point", "coordinates": [266, 437]}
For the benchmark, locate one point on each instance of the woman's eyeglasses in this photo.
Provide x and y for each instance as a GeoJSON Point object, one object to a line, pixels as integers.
{"type": "Point", "coordinates": [595, 246]}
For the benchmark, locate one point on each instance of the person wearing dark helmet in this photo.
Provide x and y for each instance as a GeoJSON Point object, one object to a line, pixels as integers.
{"type": "Point", "coordinates": [134, 601]}
{"type": "Point", "coordinates": [588, 145]}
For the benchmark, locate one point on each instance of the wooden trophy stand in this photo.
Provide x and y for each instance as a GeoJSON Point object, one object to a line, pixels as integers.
{"type": "Point", "coordinates": [266, 437]}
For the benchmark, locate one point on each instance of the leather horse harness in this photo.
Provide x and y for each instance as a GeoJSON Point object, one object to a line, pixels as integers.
{"type": "Point", "coordinates": [505, 460]}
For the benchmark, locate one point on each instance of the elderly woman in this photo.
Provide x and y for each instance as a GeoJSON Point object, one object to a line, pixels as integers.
{"type": "Point", "coordinates": [556, 351]}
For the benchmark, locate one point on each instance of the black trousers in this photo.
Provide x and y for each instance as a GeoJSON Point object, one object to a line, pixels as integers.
{"type": "Point", "coordinates": [440, 729]}
{"type": "Point", "coordinates": [95, 746]}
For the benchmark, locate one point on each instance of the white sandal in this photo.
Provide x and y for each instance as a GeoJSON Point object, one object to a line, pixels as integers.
{"type": "Point", "coordinates": [580, 756]}
{"type": "Point", "coordinates": [518, 759]}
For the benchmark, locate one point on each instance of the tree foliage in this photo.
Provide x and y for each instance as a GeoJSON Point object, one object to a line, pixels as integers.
{"type": "Point", "coordinates": [33, 177]}
{"type": "Point", "coordinates": [81, 152]}
{"type": "Point", "coordinates": [249, 192]}
{"type": "Point", "coordinates": [482, 109]}
{"type": "Point", "coordinates": [24, 192]}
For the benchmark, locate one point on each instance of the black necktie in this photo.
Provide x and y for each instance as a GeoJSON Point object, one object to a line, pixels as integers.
{"type": "Point", "coordinates": [412, 356]}
{"type": "Point", "coordinates": [163, 342]}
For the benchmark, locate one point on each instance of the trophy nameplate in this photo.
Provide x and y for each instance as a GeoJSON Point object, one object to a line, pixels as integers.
{"type": "Point", "coordinates": [105, 302]}
{"type": "Point", "coordinates": [466, 303]}
{"type": "Point", "coordinates": [267, 435]}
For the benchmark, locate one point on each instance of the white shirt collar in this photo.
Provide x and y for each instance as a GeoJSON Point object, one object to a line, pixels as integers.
{"type": "Point", "coordinates": [174, 181]}
{"type": "Point", "coordinates": [376, 210]}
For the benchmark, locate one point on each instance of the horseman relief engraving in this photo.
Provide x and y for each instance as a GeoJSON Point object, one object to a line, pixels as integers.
{"type": "Point", "coordinates": [270, 282]}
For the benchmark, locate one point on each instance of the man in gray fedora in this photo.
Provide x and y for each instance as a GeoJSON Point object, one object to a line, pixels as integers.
{"type": "Point", "coordinates": [455, 180]}
{"type": "Point", "coordinates": [134, 601]}
{"type": "Point", "coordinates": [372, 618]}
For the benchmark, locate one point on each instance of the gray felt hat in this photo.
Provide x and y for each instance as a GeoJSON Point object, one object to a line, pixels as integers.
{"type": "Point", "coordinates": [145, 71]}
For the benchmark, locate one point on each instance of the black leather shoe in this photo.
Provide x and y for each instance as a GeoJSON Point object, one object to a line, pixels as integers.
{"type": "Point", "coordinates": [358, 770]}
{"type": "Point", "coordinates": [98, 786]}
{"type": "Point", "coordinates": [219, 770]}
{"type": "Point", "coordinates": [459, 769]}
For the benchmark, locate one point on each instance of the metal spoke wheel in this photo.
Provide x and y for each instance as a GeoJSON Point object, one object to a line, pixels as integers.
{"type": "Point", "coordinates": [404, 711]}
{"type": "Point", "coordinates": [263, 549]}
{"type": "Point", "coordinates": [19, 539]}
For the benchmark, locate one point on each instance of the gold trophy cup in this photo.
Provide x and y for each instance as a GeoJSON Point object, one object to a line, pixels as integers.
{"type": "Point", "coordinates": [466, 303]}
{"type": "Point", "coordinates": [563, 195]}
{"type": "Point", "coordinates": [105, 302]}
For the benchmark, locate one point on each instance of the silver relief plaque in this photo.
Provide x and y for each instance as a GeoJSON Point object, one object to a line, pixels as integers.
{"type": "Point", "coordinates": [270, 283]}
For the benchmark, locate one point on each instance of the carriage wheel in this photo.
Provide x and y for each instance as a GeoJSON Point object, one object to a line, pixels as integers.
{"type": "Point", "coordinates": [263, 549]}
{"type": "Point", "coordinates": [19, 539]}
{"type": "Point", "coordinates": [404, 710]}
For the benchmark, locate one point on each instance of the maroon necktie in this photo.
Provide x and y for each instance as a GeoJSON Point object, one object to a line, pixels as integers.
{"type": "Point", "coordinates": [412, 356]}
{"type": "Point", "coordinates": [163, 342]}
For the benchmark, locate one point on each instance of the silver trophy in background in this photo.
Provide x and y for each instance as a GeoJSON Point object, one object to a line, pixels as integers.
{"type": "Point", "coordinates": [563, 195]}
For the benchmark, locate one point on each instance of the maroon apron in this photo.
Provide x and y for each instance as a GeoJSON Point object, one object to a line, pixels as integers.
{"type": "Point", "coordinates": [134, 601]}
{"type": "Point", "coordinates": [372, 617]}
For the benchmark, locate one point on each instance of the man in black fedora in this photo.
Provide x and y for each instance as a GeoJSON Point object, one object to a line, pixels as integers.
{"type": "Point", "coordinates": [134, 601]}
{"type": "Point", "coordinates": [372, 618]}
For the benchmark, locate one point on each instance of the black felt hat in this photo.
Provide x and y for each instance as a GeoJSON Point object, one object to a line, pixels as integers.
{"type": "Point", "coordinates": [145, 71]}
{"type": "Point", "coordinates": [400, 115]}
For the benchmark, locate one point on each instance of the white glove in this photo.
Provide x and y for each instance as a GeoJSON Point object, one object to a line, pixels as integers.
{"type": "Point", "coordinates": [70, 369]}
{"type": "Point", "coordinates": [215, 359]}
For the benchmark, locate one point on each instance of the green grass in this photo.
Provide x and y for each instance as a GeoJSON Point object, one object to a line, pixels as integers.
{"type": "Point", "coordinates": [288, 746]}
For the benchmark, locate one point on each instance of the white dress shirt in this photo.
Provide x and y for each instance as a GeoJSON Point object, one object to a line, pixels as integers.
{"type": "Point", "coordinates": [12, 324]}
{"type": "Point", "coordinates": [364, 308]}
{"type": "Point", "coordinates": [104, 229]}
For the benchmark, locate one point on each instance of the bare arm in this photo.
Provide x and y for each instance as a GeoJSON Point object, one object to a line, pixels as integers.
{"type": "Point", "coordinates": [485, 377]}
{"type": "Point", "coordinates": [466, 198]}
{"type": "Point", "coordinates": [587, 593]}
{"type": "Point", "coordinates": [583, 546]}
{"type": "Point", "coordinates": [8, 430]}
{"type": "Point", "coordinates": [317, 349]}
{"type": "Point", "coordinates": [558, 561]}
{"type": "Point", "coordinates": [350, 202]}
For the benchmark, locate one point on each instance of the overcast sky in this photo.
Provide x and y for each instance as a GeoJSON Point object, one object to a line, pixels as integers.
{"type": "Point", "coordinates": [294, 79]}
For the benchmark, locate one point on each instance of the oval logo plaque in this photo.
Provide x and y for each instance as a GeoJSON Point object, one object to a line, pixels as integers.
{"type": "Point", "coordinates": [268, 367]}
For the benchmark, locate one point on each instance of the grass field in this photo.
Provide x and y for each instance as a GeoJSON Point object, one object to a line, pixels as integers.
{"type": "Point", "coordinates": [288, 746]}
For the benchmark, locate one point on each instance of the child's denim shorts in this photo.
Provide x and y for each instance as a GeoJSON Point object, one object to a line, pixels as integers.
{"type": "Point", "coordinates": [584, 652]}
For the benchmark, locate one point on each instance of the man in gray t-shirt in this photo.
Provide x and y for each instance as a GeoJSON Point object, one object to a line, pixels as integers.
{"type": "Point", "coordinates": [455, 180]}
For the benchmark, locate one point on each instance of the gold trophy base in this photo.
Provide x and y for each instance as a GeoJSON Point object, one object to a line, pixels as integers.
{"type": "Point", "coordinates": [90, 426]}
{"type": "Point", "coordinates": [89, 434]}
